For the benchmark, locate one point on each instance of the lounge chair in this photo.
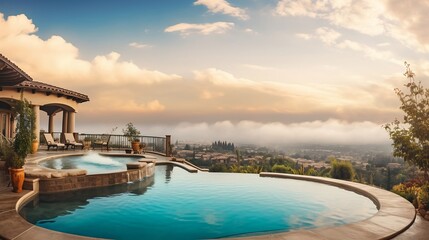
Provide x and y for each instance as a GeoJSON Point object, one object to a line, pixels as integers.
{"type": "Point", "coordinates": [51, 142]}
{"type": "Point", "coordinates": [103, 142]}
{"type": "Point", "coordinates": [70, 141]}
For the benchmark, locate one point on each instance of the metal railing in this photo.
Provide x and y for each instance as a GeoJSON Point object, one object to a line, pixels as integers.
{"type": "Point", "coordinates": [120, 142]}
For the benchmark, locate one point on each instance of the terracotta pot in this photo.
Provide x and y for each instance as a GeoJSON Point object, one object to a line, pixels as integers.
{"type": "Point", "coordinates": [17, 177]}
{"type": "Point", "coordinates": [136, 147]}
{"type": "Point", "coordinates": [86, 144]}
{"type": "Point", "coordinates": [34, 146]}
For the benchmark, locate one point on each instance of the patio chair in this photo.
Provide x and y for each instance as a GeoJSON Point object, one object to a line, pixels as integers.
{"type": "Point", "coordinates": [103, 142]}
{"type": "Point", "coordinates": [50, 142]}
{"type": "Point", "coordinates": [70, 141]}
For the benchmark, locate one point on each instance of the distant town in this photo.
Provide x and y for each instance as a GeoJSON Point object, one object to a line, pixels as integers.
{"type": "Point", "coordinates": [372, 164]}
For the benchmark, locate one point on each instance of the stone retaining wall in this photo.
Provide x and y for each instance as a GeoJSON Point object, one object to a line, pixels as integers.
{"type": "Point", "coordinates": [51, 185]}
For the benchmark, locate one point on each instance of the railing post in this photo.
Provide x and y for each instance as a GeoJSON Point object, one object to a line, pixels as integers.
{"type": "Point", "coordinates": [168, 145]}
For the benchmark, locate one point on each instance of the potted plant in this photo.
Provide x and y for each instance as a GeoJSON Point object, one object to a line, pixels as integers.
{"type": "Point", "coordinates": [132, 133]}
{"type": "Point", "coordinates": [21, 145]}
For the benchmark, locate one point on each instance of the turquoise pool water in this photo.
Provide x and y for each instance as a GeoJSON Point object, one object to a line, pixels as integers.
{"type": "Point", "coordinates": [175, 204]}
{"type": "Point", "coordinates": [92, 162]}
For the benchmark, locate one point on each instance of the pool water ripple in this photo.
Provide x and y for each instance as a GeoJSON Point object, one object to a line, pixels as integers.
{"type": "Point", "coordinates": [175, 204]}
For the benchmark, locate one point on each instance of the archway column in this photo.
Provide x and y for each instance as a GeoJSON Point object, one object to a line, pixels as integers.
{"type": "Point", "coordinates": [64, 127]}
{"type": "Point", "coordinates": [51, 123]}
{"type": "Point", "coordinates": [71, 122]}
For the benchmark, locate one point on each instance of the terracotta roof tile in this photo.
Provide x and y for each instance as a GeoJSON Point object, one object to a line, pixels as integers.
{"type": "Point", "coordinates": [79, 97]}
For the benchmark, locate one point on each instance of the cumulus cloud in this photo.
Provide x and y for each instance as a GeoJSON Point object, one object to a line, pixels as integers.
{"type": "Point", "coordinates": [405, 21]}
{"type": "Point", "coordinates": [204, 29]}
{"type": "Point", "coordinates": [224, 7]}
{"type": "Point", "coordinates": [56, 61]}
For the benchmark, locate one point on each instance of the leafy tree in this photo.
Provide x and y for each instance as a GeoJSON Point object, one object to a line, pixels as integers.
{"type": "Point", "coordinates": [411, 136]}
{"type": "Point", "coordinates": [342, 170]}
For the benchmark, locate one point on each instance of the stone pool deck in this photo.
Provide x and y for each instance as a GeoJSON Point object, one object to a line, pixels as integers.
{"type": "Point", "coordinates": [395, 215]}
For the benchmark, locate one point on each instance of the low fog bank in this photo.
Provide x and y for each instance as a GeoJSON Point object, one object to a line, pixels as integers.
{"type": "Point", "coordinates": [264, 134]}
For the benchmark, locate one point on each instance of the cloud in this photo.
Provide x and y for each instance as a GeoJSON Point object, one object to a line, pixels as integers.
{"type": "Point", "coordinates": [299, 8]}
{"type": "Point", "coordinates": [224, 7]}
{"type": "Point", "coordinates": [207, 95]}
{"type": "Point", "coordinates": [219, 77]}
{"type": "Point", "coordinates": [138, 45]}
{"type": "Point", "coordinates": [259, 67]}
{"type": "Point", "coordinates": [287, 98]}
{"type": "Point", "coordinates": [304, 36]}
{"type": "Point", "coordinates": [204, 29]}
{"type": "Point", "coordinates": [56, 61]}
{"type": "Point", "coordinates": [364, 16]}
{"type": "Point", "coordinates": [332, 38]}
{"type": "Point", "coordinates": [404, 21]}
{"type": "Point", "coordinates": [16, 25]}
{"type": "Point", "coordinates": [327, 35]}
{"type": "Point", "coordinates": [372, 53]}
{"type": "Point", "coordinates": [411, 20]}
{"type": "Point", "coordinates": [250, 31]}
{"type": "Point", "coordinates": [121, 91]}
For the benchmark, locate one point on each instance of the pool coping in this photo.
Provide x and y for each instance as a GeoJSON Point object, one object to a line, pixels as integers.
{"type": "Point", "coordinates": [394, 216]}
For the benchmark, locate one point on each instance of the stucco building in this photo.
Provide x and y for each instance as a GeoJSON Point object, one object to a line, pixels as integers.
{"type": "Point", "coordinates": [15, 84]}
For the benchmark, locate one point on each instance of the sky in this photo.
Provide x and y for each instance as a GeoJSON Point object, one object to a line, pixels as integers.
{"type": "Point", "coordinates": [267, 72]}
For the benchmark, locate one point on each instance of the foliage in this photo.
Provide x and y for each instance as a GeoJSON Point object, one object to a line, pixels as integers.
{"type": "Point", "coordinates": [24, 133]}
{"type": "Point", "coordinates": [218, 168]}
{"type": "Point", "coordinates": [130, 132]}
{"type": "Point", "coordinates": [245, 169]}
{"type": "Point", "coordinates": [342, 170]}
{"type": "Point", "coordinates": [280, 168]}
{"type": "Point", "coordinates": [7, 153]}
{"type": "Point", "coordinates": [423, 196]}
{"type": "Point", "coordinates": [408, 193]}
{"type": "Point", "coordinates": [411, 136]}
{"type": "Point", "coordinates": [311, 172]}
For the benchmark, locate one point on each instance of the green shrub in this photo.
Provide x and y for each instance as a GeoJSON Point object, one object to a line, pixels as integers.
{"type": "Point", "coordinates": [407, 192]}
{"type": "Point", "coordinates": [280, 168]}
{"type": "Point", "coordinates": [342, 170]}
{"type": "Point", "coordinates": [219, 168]}
{"type": "Point", "coordinates": [423, 196]}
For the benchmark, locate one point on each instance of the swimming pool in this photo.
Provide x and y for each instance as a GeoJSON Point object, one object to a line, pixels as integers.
{"type": "Point", "coordinates": [94, 163]}
{"type": "Point", "coordinates": [175, 204]}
